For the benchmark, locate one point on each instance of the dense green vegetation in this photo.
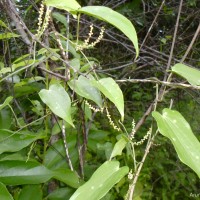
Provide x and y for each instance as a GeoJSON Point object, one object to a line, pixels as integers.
{"type": "Point", "coordinates": [99, 99]}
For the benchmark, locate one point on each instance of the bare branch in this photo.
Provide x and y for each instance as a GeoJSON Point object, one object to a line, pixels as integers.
{"type": "Point", "coordinates": [191, 44]}
{"type": "Point", "coordinates": [150, 28]}
{"type": "Point", "coordinates": [174, 40]}
{"type": "Point", "coordinates": [10, 8]}
{"type": "Point", "coordinates": [156, 81]}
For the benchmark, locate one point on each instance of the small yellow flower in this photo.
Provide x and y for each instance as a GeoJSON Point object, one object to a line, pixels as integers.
{"type": "Point", "coordinates": [144, 138]}
{"type": "Point", "coordinates": [111, 121]}
{"type": "Point", "coordinates": [93, 108]}
{"type": "Point", "coordinates": [86, 44]}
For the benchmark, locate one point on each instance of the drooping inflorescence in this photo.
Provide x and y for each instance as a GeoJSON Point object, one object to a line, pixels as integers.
{"type": "Point", "coordinates": [86, 44]}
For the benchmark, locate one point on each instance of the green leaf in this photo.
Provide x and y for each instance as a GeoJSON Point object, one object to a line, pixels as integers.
{"type": "Point", "coordinates": [31, 192]}
{"type": "Point", "coordinates": [60, 194]}
{"type": "Point", "coordinates": [114, 18]}
{"type": "Point", "coordinates": [118, 148]}
{"type": "Point", "coordinates": [57, 99]}
{"type": "Point", "coordinates": [4, 194]}
{"type": "Point", "coordinates": [21, 58]}
{"type": "Point", "coordinates": [26, 88]}
{"type": "Point", "coordinates": [84, 87]}
{"type": "Point", "coordinates": [75, 64]}
{"type": "Point", "coordinates": [68, 5]}
{"type": "Point", "coordinates": [113, 92]}
{"type": "Point", "coordinates": [13, 172]}
{"type": "Point", "coordinates": [6, 102]}
{"type": "Point", "coordinates": [5, 119]}
{"type": "Point", "coordinates": [192, 75]}
{"type": "Point", "coordinates": [68, 177]}
{"type": "Point", "coordinates": [3, 24]}
{"type": "Point", "coordinates": [19, 155]}
{"type": "Point", "coordinates": [12, 142]}
{"type": "Point", "coordinates": [55, 159]}
{"type": "Point", "coordinates": [172, 125]}
{"type": "Point", "coordinates": [8, 35]}
{"type": "Point", "coordinates": [38, 109]}
{"type": "Point", "coordinates": [23, 63]}
{"type": "Point", "coordinates": [61, 18]}
{"type": "Point", "coordinates": [103, 179]}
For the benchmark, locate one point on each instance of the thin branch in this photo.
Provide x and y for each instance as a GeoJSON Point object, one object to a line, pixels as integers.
{"type": "Point", "coordinates": [174, 40]}
{"type": "Point", "coordinates": [67, 77]}
{"type": "Point", "coordinates": [169, 84]}
{"type": "Point", "coordinates": [155, 19]}
{"type": "Point", "coordinates": [10, 8]}
{"type": "Point", "coordinates": [52, 73]}
{"type": "Point", "coordinates": [143, 118]}
{"type": "Point", "coordinates": [66, 146]}
{"type": "Point", "coordinates": [132, 188]}
{"type": "Point", "coordinates": [191, 43]}
{"type": "Point", "coordinates": [118, 4]}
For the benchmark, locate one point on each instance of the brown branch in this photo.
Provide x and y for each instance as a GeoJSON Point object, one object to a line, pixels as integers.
{"type": "Point", "coordinates": [66, 146]}
{"type": "Point", "coordinates": [169, 84]}
{"type": "Point", "coordinates": [140, 168]}
{"type": "Point", "coordinates": [150, 28]}
{"type": "Point", "coordinates": [52, 73]}
{"type": "Point", "coordinates": [174, 40]}
{"type": "Point", "coordinates": [10, 8]}
{"type": "Point", "coordinates": [191, 43]}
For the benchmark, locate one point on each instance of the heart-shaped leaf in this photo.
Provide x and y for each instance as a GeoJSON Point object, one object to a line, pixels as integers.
{"type": "Point", "coordinates": [172, 125]}
{"type": "Point", "coordinates": [57, 99]}
{"type": "Point", "coordinates": [85, 88]}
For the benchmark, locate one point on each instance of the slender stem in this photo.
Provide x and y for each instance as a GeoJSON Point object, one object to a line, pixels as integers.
{"type": "Point", "coordinates": [132, 187]}
{"type": "Point", "coordinates": [174, 39]}
{"type": "Point", "coordinates": [78, 28]}
{"type": "Point", "coordinates": [157, 14]}
{"type": "Point", "coordinates": [67, 77]}
{"type": "Point", "coordinates": [156, 81]}
{"type": "Point", "coordinates": [168, 77]}
{"type": "Point", "coordinates": [67, 69]}
{"type": "Point", "coordinates": [14, 116]}
{"type": "Point", "coordinates": [191, 43]}
{"type": "Point", "coordinates": [66, 146]}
